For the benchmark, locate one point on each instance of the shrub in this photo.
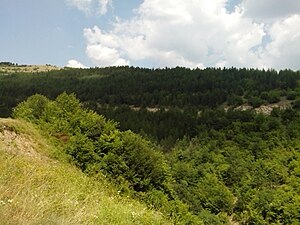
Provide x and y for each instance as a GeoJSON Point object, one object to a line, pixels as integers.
{"type": "Point", "coordinates": [32, 109]}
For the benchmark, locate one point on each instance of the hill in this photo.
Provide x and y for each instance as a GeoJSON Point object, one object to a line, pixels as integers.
{"type": "Point", "coordinates": [38, 187]}
{"type": "Point", "coordinates": [7, 69]}
{"type": "Point", "coordinates": [151, 101]}
{"type": "Point", "coordinates": [213, 146]}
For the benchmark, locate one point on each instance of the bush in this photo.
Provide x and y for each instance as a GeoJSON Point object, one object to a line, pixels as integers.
{"type": "Point", "coordinates": [256, 102]}
{"type": "Point", "coordinates": [296, 104]}
{"type": "Point", "coordinates": [96, 144]}
{"type": "Point", "coordinates": [32, 109]}
{"type": "Point", "coordinates": [271, 96]}
{"type": "Point", "coordinates": [291, 95]}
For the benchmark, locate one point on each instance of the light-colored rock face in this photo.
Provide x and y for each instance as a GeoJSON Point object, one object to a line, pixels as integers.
{"type": "Point", "coordinates": [243, 107]}
{"type": "Point", "coordinates": [265, 109]}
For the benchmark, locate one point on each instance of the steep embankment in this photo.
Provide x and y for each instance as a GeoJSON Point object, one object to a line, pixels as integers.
{"type": "Point", "coordinates": [35, 188]}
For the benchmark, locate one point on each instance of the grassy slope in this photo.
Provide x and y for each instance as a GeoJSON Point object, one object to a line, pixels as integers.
{"type": "Point", "coordinates": [27, 69]}
{"type": "Point", "coordinates": [37, 189]}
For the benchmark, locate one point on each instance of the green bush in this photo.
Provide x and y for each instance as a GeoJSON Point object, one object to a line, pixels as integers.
{"type": "Point", "coordinates": [32, 109]}
{"type": "Point", "coordinates": [296, 104]}
{"type": "Point", "coordinates": [291, 95]}
{"type": "Point", "coordinates": [97, 145]}
{"type": "Point", "coordinates": [256, 101]}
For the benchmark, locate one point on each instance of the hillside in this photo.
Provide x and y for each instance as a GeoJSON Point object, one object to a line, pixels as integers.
{"type": "Point", "coordinates": [151, 101]}
{"type": "Point", "coordinates": [213, 146]}
{"type": "Point", "coordinates": [9, 69]}
{"type": "Point", "coordinates": [38, 187]}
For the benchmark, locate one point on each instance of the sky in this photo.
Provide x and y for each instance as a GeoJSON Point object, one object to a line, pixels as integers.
{"type": "Point", "coordinates": [152, 33]}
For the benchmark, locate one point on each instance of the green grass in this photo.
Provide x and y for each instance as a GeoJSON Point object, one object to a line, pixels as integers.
{"type": "Point", "coordinates": [37, 189]}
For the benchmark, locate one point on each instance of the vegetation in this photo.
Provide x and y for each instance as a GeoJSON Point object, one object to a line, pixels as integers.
{"type": "Point", "coordinates": [195, 145]}
{"type": "Point", "coordinates": [35, 188]}
{"type": "Point", "coordinates": [96, 145]}
{"type": "Point", "coordinates": [152, 101]}
{"type": "Point", "coordinates": [7, 68]}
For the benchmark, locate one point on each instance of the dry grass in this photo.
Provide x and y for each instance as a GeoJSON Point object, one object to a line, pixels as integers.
{"type": "Point", "coordinates": [27, 69]}
{"type": "Point", "coordinates": [35, 189]}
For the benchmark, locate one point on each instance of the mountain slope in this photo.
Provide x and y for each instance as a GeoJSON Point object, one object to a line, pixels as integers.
{"type": "Point", "coordinates": [37, 189]}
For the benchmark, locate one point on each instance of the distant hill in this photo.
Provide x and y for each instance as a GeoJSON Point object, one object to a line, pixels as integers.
{"type": "Point", "coordinates": [8, 68]}
{"type": "Point", "coordinates": [38, 187]}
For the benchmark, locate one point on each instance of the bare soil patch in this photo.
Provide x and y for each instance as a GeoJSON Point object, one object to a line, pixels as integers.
{"type": "Point", "coordinates": [17, 144]}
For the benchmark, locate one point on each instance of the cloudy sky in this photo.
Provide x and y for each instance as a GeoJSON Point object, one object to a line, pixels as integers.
{"type": "Point", "coordinates": [152, 33]}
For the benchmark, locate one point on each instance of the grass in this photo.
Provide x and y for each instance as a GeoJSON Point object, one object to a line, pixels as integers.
{"type": "Point", "coordinates": [27, 69]}
{"type": "Point", "coordinates": [37, 189]}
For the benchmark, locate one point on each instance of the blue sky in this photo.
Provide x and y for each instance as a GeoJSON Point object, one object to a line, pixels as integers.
{"type": "Point", "coordinates": [151, 33]}
{"type": "Point", "coordinates": [49, 31]}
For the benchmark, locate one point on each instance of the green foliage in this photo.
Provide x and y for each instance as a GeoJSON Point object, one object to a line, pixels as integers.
{"type": "Point", "coordinates": [96, 145]}
{"type": "Point", "coordinates": [82, 151]}
{"type": "Point", "coordinates": [274, 206]}
{"type": "Point", "coordinates": [176, 209]}
{"type": "Point", "coordinates": [214, 195]}
{"type": "Point", "coordinates": [256, 101]}
{"type": "Point", "coordinates": [272, 96]}
{"type": "Point", "coordinates": [218, 165]}
{"type": "Point", "coordinates": [37, 189]}
{"type": "Point", "coordinates": [93, 142]}
{"type": "Point", "coordinates": [296, 104]}
{"type": "Point", "coordinates": [234, 100]}
{"type": "Point", "coordinates": [31, 109]}
{"type": "Point", "coordinates": [151, 102]}
{"type": "Point", "coordinates": [241, 167]}
{"type": "Point", "coordinates": [291, 95]}
{"type": "Point", "coordinates": [210, 219]}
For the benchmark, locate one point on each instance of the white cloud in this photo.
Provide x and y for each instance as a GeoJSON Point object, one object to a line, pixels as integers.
{"type": "Point", "coordinates": [195, 33]}
{"type": "Point", "coordinates": [82, 5]}
{"type": "Point", "coordinates": [103, 49]}
{"type": "Point", "coordinates": [270, 9]}
{"type": "Point", "coordinates": [105, 56]}
{"type": "Point", "coordinates": [75, 64]}
{"type": "Point", "coordinates": [283, 51]}
{"type": "Point", "coordinates": [103, 4]}
{"type": "Point", "coordinates": [91, 6]}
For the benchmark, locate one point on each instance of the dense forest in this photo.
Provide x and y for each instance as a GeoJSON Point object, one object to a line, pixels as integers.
{"type": "Point", "coordinates": [176, 139]}
{"type": "Point", "coordinates": [152, 101]}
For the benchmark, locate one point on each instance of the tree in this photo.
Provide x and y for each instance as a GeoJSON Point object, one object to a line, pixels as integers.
{"type": "Point", "coordinates": [32, 109]}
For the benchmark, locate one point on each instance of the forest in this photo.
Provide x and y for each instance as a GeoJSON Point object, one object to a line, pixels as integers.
{"type": "Point", "coordinates": [176, 138]}
{"type": "Point", "coordinates": [131, 95]}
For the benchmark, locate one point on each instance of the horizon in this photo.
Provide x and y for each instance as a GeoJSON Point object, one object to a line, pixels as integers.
{"type": "Point", "coordinates": [151, 68]}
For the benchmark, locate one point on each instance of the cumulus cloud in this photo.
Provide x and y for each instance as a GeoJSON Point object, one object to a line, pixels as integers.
{"type": "Point", "coordinates": [103, 49]}
{"type": "Point", "coordinates": [196, 33]}
{"type": "Point", "coordinates": [270, 9]}
{"type": "Point", "coordinates": [283, 51]}
{"type": "Point", "coordinates": [90, 6]}
{"type": "Point", "coordinates": [75, 64]}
